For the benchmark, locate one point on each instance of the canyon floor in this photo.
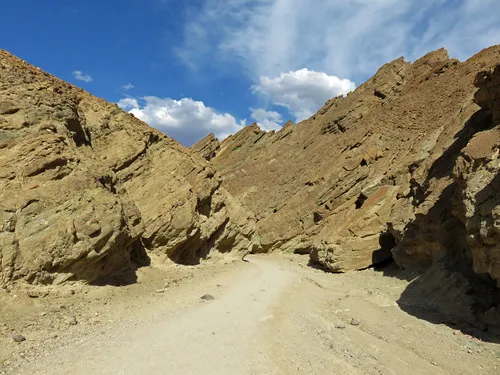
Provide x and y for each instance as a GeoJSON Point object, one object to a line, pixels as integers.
{"type": "Point", "coordinates": [270, 315]}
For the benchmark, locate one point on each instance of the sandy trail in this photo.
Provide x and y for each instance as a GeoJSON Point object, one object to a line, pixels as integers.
{"type": "Point", "coordinates": [220, 336]}
{"type": "Point", "coordinates": [273, 315]}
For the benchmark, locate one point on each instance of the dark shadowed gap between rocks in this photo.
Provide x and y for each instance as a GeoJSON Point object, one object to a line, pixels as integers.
{"type": "Point", "coordinates": [383, 256]}
{"type": "Point", "coordinates": [195, 249]}
{"type": "Point", "coordinates": [360, 201]}
{"type": "Point", "coordinates": [138, 258]}
{"type": "Point", "coordinates": [448, 291]}
{"type": "Point", "coordinates": [76, 126]}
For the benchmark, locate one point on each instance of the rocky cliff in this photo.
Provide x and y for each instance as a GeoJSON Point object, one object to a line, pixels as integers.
{"type": "Point", "coordinates": [207, 148]}
{"type": "Point", "coordinates": [404, 168]}
{"type": "Point", "coordinates": [87, 190]}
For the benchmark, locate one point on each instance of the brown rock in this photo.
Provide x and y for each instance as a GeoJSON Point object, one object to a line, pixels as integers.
{"type": "Point", "coordinates": [478, 171]}
{"type": "Point", "coordinates": [406, 166]}
{"type": "Point", "coordinates": [207, 148]}
{"type": "Point", "coordinates": [371, 149]}
{"type": "Point", "coordinates": [87, 190]}
{"type": "Point", "coordinates": [16, 337]}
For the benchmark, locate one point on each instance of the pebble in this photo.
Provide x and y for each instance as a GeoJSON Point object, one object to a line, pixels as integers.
{"type": "Point", "coordinates": [355, 322]}
{"type": "Point", "coordinates": [160, 291]}
{"type": "Point", "coordinates": [16, 337]}
{"type": "Point", "coordinates": [340, 326]}
{"type": "Point", "coordinates": [207, 297]}
{"type": "Point", "coordinates": [71, 320]}
{"type": "Point", "coordinates": [33, 294]}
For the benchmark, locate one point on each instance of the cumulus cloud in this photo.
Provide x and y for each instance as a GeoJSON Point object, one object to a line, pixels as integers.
{"type": "Point", "coordinates": [303, 91]}
{"type": "Point", "coordinates": [345, 38]}
{"type": "Point", "coordinates": [81, 76]}
{"type": "Point", "coordinates": [185, 120]}
{"type": "Point", "coordinates": [267, 120]}
{"type": "Point", "coordinates": [127, 87]}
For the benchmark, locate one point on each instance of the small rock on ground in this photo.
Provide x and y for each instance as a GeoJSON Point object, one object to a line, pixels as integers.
{"type": "Point", "coordinates": [207, 297]}
{"type": "Point", "coordinates": [355, 322]}
{"type": "Point", "coordinates": [16, 337]}
{"type": "Point", "coordinates": [71, 320]}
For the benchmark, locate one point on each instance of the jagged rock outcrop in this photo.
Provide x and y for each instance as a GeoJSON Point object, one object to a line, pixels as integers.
{"type": "Point", "coordinates": [478, 171]}
{"type": "Point", "coordinates": [87, 190]}
{"type": "Point", "coordinates": [405, 167]}
{"type": "Point", "coordinates": [207, 148]}
{"type": "Point", "coordinates": [370, 172]}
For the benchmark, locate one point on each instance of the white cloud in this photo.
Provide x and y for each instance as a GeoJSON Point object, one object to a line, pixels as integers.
{"type": "Point", "coordinates": [267, 120]}
{"type": "Point", "coordinates": [303, 91]}
{"type": "Point", "coordinates": [128, 104]}
{"type": "Point", "coordinates": [127, 87]}
{"type": "Point", "coordinates": [273, 41]}
{"type": "Point", "coordinates": [185, 120]}
{"type": "Point", "coordinates": [81, 76]}
{"type": "Point", "coordinates": [344, 38]}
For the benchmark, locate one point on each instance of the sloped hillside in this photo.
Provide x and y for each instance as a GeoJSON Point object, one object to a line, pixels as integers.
{"type": "Point", "coordinates": [404, 167]}
{"type": "Point", "coordinates": [87, 190]}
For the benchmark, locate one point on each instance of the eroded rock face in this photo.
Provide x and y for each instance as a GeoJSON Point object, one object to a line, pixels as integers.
{"type": "Point", "coordinates": [405, 167]}
{"type": "Point", "coordinates": [478, 171]}
{"type": "Point", "coordinates": [370, 171]}
{"type": "Point", "coordinates": [87, 190]}
{"type": "Point", "coordinates": [207, 148]}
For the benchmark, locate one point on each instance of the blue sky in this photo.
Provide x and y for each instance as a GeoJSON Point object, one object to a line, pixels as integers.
{"type": "Point", "coordinates": [196, 66]}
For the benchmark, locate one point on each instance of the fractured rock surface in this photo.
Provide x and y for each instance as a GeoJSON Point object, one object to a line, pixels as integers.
{"type": "Point", "coordinates": [207, 148]}
{"type": "Point", "coordinates": [365, 174]}
{"type": "Point", "coordinates": [87, 190]}
{"type": "Point", "coordinates": [405, 167]}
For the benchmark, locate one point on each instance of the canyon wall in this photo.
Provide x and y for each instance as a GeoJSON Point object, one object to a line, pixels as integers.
{"type": "Point", "coordinates": [87, 190]}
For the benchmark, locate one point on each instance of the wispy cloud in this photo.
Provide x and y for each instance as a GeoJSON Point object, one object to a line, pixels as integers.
{"type": "Point", "coordinates": [344, 38]}
{"type": "Point", "coordinates": [297, 54]}
{"type": "Point", "coordinates": [81, 76]}
{"type": "Point", "coordinates": [127, 87]}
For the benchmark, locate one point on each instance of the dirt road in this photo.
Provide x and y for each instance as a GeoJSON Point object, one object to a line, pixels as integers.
{"type": "Point", "coordinates": [268, 316]}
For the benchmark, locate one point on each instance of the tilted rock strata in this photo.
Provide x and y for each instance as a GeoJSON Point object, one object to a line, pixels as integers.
{"type": "Point", "coordinates": [87, 190]}
{"type": "Point", "coordinates": [207, 148]}
{"type": "Point", "coordinates": [478, 171]}
{"type": "Point", "coordinates": [369, 172]}
{"type": "Point", "coordinates": [405, 167]}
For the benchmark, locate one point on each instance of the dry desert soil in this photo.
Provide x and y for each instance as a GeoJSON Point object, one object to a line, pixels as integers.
{"type": "Point", "coordinates": [272, 315]}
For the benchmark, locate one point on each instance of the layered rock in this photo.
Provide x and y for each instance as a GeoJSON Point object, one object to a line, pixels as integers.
{"type": "Point", "coordinates": [370, 172]}
{"type": "Point", "coordinates": [405, 167]}
{"type": "Point", "coordinates": [478, 171]}
{"type": "Point", "coordinates": [87, 190]}
{"type": "Point", "coordinates": [207, 148]}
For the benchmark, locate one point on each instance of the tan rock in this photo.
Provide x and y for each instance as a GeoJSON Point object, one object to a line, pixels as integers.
{"type": "Point", "coordinates": [357, 238]}
{"type": "Point", "coordinates": [87, 190]}
{"type": "Point", "coordinates": [402, 130]}
{"type": "Point", "coordinates": [207, 148]}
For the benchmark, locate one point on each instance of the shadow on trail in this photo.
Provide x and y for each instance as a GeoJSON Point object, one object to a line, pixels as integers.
{"type": "Point", "coordinates": [444, 288]}
{"type": "Point", "coordinates": [138, 258]}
